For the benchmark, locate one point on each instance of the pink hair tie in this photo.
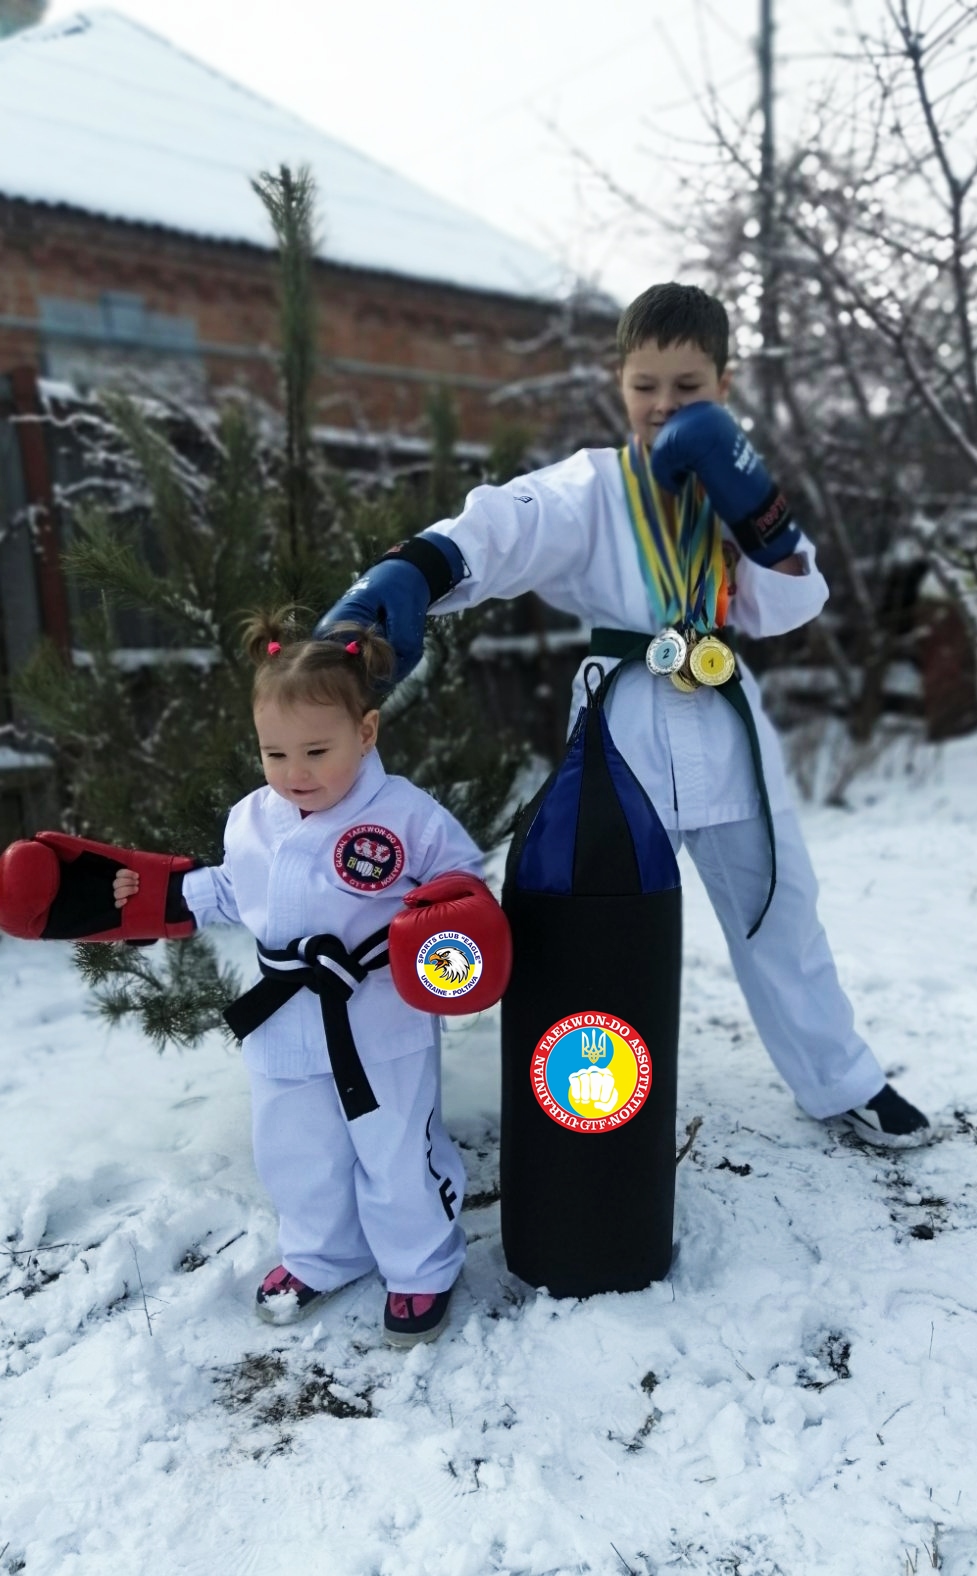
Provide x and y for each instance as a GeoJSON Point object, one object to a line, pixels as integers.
{"type": "Point", "coordinates": [273, 648]}
{"type": "Point", "coordinates": [353, 648]}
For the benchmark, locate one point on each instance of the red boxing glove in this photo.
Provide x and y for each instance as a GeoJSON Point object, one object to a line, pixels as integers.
{"type": "Point", "coordinates": [450, 946]}
{"type": "Point", "coordinates": [59, 888]}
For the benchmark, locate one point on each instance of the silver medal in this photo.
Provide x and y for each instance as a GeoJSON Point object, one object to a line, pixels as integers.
{"type": "Point", "coordinates": [667, 652]}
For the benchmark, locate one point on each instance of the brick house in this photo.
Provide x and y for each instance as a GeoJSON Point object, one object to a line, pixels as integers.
{"type": "Point", "coordinates": [129, 234]}
{"type": "Point", "coordinates": [132, 247]}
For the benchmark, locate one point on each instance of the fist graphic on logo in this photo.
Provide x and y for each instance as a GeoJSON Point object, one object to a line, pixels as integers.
{"type": "Point", "coordinates": [591, 1086]}
{"type": "Point", "coordinates": [369, 848]}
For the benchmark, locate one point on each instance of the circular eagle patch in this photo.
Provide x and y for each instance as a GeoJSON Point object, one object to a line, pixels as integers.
{"type": "Point", "coordinates": [369, 858]}
{"type": "Point", "coordinates": [591, 1072]}
{"type": "Point", "coordinates": [449, 964]}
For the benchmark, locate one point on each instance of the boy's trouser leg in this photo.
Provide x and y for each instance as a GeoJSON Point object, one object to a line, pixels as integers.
{"type": "Point", "coordinates": [409, 1177]}
{"type": "Point", "coordinates": [304, 1157]}
{"type": "Point", "coordinates": [786, 972]}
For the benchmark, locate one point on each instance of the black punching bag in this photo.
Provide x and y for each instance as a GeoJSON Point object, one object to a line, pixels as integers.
{"type": "Point", "coordinates": [590, 1026]}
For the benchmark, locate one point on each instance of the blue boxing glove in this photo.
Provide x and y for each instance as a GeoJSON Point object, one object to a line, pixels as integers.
{"type": "Point", "coordinates": [704, 438]}
{"type": "Point", "coordinates": [395, 594]}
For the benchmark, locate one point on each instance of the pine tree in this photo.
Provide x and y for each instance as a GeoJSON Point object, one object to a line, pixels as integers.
{"type": "Point", "coordinates": [206, 517]}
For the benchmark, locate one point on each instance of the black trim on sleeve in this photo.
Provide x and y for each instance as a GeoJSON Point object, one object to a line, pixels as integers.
{"type": "Point", "coordinates": [176, 911]}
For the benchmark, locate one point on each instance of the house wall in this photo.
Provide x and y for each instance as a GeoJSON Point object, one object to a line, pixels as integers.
{"type": "Point", "coordinates": [81, 296]}
{"type": "Point", "coordinates": [91, 301]}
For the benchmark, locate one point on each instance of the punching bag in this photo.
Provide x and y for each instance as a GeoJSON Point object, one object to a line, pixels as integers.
{"type": "Point", "coordinates": [590, 1026]}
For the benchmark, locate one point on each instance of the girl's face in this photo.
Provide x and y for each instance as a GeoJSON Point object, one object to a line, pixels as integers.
{"type": "Point", "coordinates": [311, 752]}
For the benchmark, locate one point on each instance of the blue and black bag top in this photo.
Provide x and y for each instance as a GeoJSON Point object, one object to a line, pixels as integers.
{"type": "Point", "coordinates": [592, 828]}
{"type": "Point", "coordinates": [590, 1026]}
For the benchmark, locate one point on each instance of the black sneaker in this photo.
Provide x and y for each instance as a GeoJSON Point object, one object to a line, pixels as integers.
{"type": "Point", "coordinates": [409, 1318]}
{"type": "Point", "coordinates": [283, 1299]}
{"type": "Point", "coordinates": [888, 1121]}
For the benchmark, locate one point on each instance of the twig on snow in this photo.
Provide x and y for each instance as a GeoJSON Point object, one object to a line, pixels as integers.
{"type": "Point", "coordinates": [145, 1305]}
{"type": "Point", "coordinates": [691, 1132]}
{"type": "Point", "coordinates": [629, 1568]}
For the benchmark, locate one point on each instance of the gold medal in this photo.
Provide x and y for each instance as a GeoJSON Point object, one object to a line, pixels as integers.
{"type": "Point", "coordinates": [711, 661]}
{"type": "Point", "coordinates": [683, 681]}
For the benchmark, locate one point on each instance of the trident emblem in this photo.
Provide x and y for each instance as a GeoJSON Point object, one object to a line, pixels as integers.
{"type": "Point", "coordinates": [594, 1049]}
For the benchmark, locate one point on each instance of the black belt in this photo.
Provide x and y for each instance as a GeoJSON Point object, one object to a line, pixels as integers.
{"type": "Point", "coordinates": [631, 646]}
{"type": "Point", "coordinates": [318, 964]}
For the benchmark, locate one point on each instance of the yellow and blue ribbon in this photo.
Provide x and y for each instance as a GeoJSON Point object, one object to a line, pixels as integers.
{"type": "Point", "coordinates": [679, 543]}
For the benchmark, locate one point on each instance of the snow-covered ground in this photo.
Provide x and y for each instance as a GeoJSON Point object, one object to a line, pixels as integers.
{"type": "Point", "coordinates": [799, 1398]}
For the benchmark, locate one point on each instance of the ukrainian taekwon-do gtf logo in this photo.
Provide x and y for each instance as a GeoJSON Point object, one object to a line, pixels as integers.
{"type": "Point", "coordinates": [591, 1072]}
{"type": "Point", "coordinates": [449, 964]}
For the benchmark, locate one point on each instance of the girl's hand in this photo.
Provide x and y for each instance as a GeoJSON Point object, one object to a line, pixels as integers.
{"type": "Point", "coordinates": [125, 886]}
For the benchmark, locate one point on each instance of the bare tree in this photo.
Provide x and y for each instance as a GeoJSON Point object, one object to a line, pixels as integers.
{"type": "Point", "coordinates": [876, 272]}
{"type": "Point", "coordinates": [576, 404]}
{"type": "Point", "coordinates": [869, 353]}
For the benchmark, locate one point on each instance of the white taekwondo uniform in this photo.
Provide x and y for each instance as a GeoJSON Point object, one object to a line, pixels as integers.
{"type": "Point", "coordinates": [565, 533]}
{"type": "Point", "coordinates": [384, 1189]}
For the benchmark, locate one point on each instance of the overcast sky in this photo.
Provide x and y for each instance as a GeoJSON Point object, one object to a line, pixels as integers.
{"type": "Point", "coordinates": [479, 102]}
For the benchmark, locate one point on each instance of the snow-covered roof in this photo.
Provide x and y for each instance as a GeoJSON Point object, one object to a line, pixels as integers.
{"type": "Point", "coordinates": [100, 113]}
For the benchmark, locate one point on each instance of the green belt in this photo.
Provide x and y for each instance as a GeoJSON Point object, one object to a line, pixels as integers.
{"type": "Point", "coordinates": [630, 646]}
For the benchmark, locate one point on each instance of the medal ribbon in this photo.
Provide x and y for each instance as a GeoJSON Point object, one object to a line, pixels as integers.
{"type": "Point", "coordinates": [679, 543]}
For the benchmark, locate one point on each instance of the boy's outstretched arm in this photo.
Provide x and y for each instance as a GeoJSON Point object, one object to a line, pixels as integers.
{"type": "Point", "coordinates": [396, 592]}
{"type": "Point", "coordinates": [534, 533]}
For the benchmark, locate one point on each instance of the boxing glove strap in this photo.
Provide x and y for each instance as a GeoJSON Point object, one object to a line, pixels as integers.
{"type": "Point", "coordinates": [758, 532]}
{"type": "Point", "coordinates": [430, 560]}
{"type": "Point", "coordinates": [322, 965]}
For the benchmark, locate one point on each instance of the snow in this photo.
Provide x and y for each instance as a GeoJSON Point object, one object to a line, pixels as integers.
{"type": "Point", "coordinates": [100, 113]}
{"type": "Point", "coordinates": [18, 760]}
{"type": "Point", "coordinates": [130, 659]}
{"type": "Point", "coordinates": [797, 1399]}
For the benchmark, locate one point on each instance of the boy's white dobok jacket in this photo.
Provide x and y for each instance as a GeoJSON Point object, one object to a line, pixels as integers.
{"type": "Point", "coordinates": [341, 872]}
{"type": "Point", "coordinates": [565, 533]}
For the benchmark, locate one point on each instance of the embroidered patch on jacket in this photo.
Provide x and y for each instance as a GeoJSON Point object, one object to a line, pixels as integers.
{"type": "Point", "coordinates": [369, 858]}
{"type": "Point", "coordinates": [591, 1072]}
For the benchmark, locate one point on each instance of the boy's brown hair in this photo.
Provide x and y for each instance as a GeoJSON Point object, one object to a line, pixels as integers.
{"type": "Point", "coordinates": [674, 314]}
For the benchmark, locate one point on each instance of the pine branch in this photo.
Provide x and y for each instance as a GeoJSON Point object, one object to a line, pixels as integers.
{"type": "Point", "coordinates": [151, 723]}
{"type": "Point", "coordinates": [175, 996]}
{"type": "Point", "coordinates": [98, 558]}
{"type": "Point", "coordinates": [289, 201]}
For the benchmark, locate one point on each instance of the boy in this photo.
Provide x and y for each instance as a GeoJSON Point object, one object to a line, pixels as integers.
{"type": "Point", "coordinates": [651, 547]}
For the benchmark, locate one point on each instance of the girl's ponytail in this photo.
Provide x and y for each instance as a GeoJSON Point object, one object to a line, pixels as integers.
{"type": "Point", "coordinates": [265, 635]}
{"type": "Point", "coordinates": [351, 667]}
{"type": "Point", "coordinates": [368, 647]}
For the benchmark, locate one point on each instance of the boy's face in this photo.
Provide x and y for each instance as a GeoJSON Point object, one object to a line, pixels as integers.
{"type": "Point", "coordinates": [657, 380]}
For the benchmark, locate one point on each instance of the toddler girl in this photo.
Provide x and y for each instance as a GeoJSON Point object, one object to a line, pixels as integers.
{"type": "Point", "coordinates": [348, 1137]}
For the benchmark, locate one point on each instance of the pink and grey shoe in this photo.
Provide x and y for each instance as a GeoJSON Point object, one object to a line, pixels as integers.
{"type": "Point", "coordinates": [283, 1299]}
{"type": "Point", "coordinates": [412, 1317]}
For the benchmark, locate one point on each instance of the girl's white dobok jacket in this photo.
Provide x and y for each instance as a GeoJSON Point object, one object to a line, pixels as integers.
{"type": "Point", "coordinates": [565, 533]}
{"type": "Point", "coordinates": [340, 872]}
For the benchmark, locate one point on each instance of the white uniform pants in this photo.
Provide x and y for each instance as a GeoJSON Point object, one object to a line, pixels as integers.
{"type": "Point", "coordinates": [383, 1191]}
{"type": "Point", "coordinates": [786, 972]}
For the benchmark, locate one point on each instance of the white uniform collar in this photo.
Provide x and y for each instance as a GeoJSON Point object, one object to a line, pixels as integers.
{"type": "Point", "coordinates": [369, 780]}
